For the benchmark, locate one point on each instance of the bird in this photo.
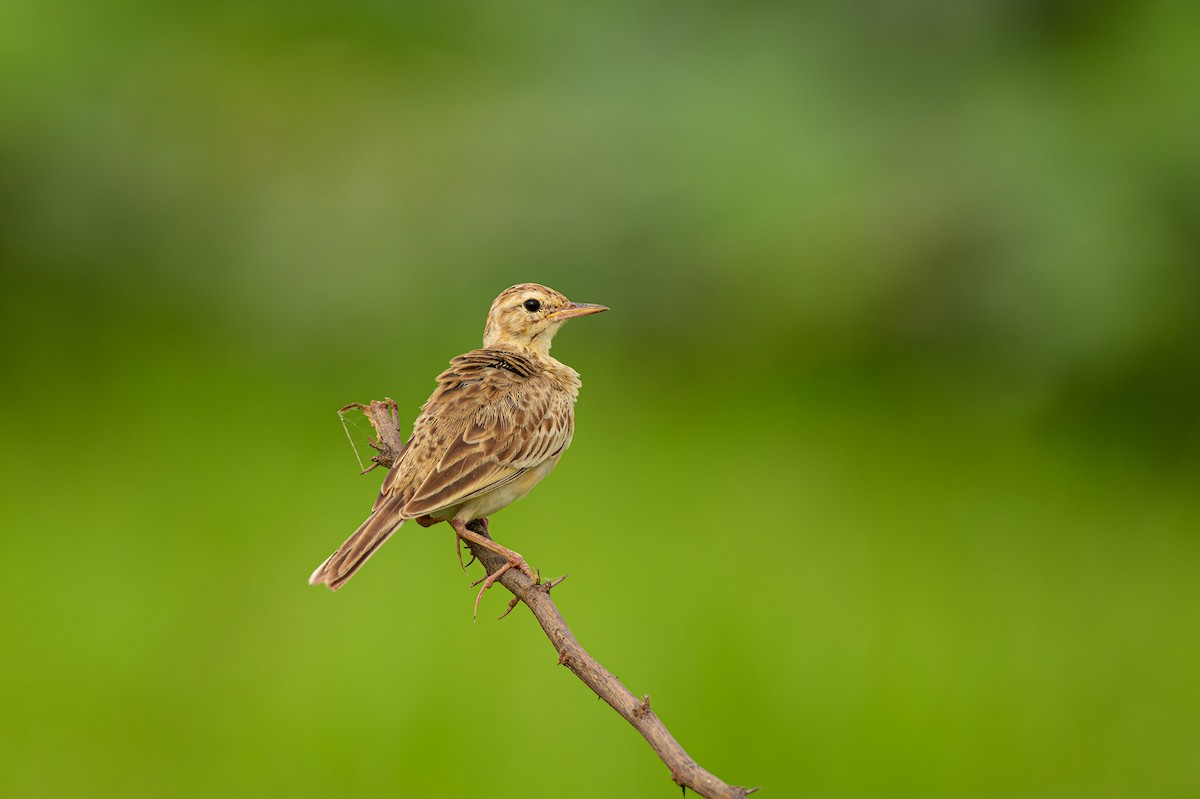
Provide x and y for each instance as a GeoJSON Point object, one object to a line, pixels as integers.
{"type": "Point", "coordinates": [497, 423]}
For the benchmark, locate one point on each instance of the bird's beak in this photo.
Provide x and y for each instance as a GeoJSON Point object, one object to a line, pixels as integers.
{"type": "Point", "coordinates": [575, 309]}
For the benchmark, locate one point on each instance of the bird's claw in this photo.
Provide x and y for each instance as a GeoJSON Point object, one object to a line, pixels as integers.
{"type": "Point", "coordinates": [490, 580]}
{"type": "Point", "coordinates": [460, 560]}
{"type": "Point", "coordinates": [512, 603]}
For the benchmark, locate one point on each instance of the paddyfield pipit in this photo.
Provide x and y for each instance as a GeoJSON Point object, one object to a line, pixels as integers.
{"type": "Point", "coordinates": [497, 423]}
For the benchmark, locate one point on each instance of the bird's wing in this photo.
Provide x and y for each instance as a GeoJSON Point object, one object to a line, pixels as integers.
{"type": "Point", "coordinates": [492, 418]}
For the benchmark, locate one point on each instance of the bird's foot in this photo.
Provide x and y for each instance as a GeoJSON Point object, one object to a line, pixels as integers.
{"type": "Point", "coordinates": [481, 538]}
{"type": "Point", "coordinates": [546, 586]}
{"type": "Point", "coordinates": [518, 562]}
{"type": "Point", "coordinates": [512, 605]}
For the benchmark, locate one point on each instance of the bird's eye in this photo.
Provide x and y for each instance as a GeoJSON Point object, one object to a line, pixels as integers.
{"type": "Point", "coordinates": [532, 306]}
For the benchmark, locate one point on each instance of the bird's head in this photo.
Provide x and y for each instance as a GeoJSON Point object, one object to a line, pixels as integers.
{"type": "Point", "coordinates": [526, 317]}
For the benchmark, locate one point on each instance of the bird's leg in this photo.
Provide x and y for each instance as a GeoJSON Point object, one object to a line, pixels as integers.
{"type": "Point", "coordinates": [458, 551]}
{"type": "Point", "coordinates": [513, 558]}
{"type": "Point", "coordinates": [429, 521]}
{"type": "Point", "coordinates": [485, 541]}
{"type": "Point", "coordinates": [483, 524]}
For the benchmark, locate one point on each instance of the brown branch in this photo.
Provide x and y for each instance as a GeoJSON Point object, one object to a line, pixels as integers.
{"type": "Point", "coordinates": [685, 771]}
{"type": "Point", "coordinates": [383, 417]}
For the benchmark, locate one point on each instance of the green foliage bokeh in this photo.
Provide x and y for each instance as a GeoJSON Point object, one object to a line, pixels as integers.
{"type": "Point", "coordinates": [886, 466]}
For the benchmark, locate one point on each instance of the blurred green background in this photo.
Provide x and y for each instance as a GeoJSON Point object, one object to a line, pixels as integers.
{"type": "Point", "coordinates": [886, 468]}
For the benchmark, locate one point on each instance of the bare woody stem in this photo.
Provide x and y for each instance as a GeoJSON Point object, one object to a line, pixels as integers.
{"type": "Point", "coordinates": [685, 771]}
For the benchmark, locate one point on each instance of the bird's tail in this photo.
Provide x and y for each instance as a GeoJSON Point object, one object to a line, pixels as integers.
{"type": "Point", "coordinates": [342, 564]}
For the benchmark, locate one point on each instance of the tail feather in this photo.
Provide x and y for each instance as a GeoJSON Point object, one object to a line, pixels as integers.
{"type": "Point", "coordinates": [361, 545]}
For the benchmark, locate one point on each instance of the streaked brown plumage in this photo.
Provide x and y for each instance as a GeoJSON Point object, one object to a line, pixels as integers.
{"type": "Point", "coordinates": [498, 422]}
